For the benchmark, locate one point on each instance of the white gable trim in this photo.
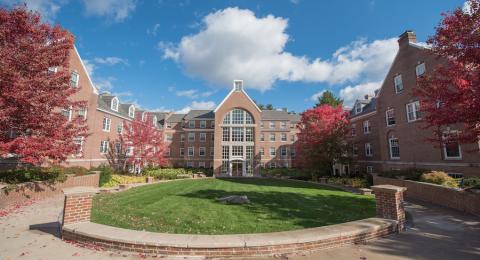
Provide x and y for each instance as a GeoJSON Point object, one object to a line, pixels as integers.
{"type": "Point", "coordinates": [230, 93]}
{"type": "Point", "coordinates": [86, 72]}
{"type": "Point", "coordinates": [388, 73]}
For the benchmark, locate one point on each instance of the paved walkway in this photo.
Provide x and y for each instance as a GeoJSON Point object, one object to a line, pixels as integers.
{"type": "Point", "coordinates": [434, 233]}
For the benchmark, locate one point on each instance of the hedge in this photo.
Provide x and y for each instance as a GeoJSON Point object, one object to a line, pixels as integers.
{"type": "Point", "coordinates": [175, 173]}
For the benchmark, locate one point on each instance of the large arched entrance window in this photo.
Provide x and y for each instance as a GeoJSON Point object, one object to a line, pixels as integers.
{"type": "Point", "coordinates": [238, 143]}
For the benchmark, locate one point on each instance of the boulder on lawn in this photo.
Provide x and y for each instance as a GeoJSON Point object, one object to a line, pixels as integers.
{"type": "Point", "coordinates": [235, 199]}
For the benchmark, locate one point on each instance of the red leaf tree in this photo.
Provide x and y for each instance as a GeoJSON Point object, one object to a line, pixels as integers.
{"type": "Point", "coordinates": [450, 95]}
{"type": "Point", "coordinates": [322, 140]}
{"type": "Point", "coordinates": [143, 143]}
{"type": "Point", "coordinates": [32, 97]}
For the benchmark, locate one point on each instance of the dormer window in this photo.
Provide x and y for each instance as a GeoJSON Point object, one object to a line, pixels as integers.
{"type": "Point", "coordinates": [114, 104]}
{"type": "Point", "coordinates": [238, 85]}
{"type": "Point", "coordinates": [358, 108]}
{"type": "Point", "coordinates": [131, 111]}
{"type": "Point", "coordinates": [144, 116]}
{"type": "Point", "coordinates": [154, 120]}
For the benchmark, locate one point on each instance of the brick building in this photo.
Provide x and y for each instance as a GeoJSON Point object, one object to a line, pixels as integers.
{"type": "Point", "coordinates": [387, 129]}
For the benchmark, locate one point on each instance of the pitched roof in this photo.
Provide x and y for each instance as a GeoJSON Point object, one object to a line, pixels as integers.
{"type": "Point", "coordinates": [370, 106]}
{"type": "Point", "coordinates": [200, 114]}
{"type": "Point", "coordinates": [279, 115]}
{"type": "Point", "coordinates": [175, 118]}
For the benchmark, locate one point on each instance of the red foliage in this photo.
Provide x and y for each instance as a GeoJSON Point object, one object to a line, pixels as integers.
{"type": "Point", "coordinates": [322, 137]}
{"type": "Point", "coordinates": [31, 98]}
{"type": "Point", "coordinates": [146, 141]}
{"type": "Point", "coordinates": [450, 95]}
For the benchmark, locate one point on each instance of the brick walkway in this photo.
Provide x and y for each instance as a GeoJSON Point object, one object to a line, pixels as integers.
{"type": "Point", "coordinates": [436, 233]}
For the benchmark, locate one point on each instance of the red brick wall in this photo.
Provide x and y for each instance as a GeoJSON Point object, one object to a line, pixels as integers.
{"type": "Point", "coordinates": [436, 194]}
{"type": "Point", "coordinates": [42, 190]}
{"type": "Point", "coordinates": [77, 208]}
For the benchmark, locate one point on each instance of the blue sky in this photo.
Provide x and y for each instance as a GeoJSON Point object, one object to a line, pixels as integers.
{"type": "Point", "coordinates": [180, 55]}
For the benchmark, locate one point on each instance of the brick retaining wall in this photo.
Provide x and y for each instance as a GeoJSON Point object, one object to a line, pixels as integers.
{"type": "Point", "coordinates": [448, 197]}
{"type": "Point", "coordinates": [42, 190]}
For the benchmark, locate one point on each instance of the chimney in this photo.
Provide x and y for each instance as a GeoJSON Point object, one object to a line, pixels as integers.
{"type": "Point", "coordinates": [405, 38]}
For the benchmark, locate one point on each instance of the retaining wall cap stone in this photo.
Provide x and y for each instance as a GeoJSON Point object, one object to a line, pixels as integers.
{"type": "Point", "coordinates": [80, 190]}
{"type": "Point", "coordinates": [388, 188]}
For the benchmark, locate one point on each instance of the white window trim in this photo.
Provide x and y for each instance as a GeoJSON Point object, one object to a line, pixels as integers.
{"type": "Point", "coordinates": [78, 79]}
{"type": "Point", "coordinates": [369, 145]}
{"type": "Point", "coordinates": [131, 112]}
{"type": "Point", "coordinates": [193, 151]}
{"type": "Point", "coordinates": [415, 112]}
{"type": "Point", "coordinates": [106, 124]}
{"type": "Point", "coordinates": [424, 69]}
{"type": "Point", "coordinates": [369, 169]}
{"type": "Point", "coordinates": [459, 157]}
{"type": "Point", "coordinates": [366, 127]}
{"type": "Point", "coordinates": [200, 137]}
{"type": "Point", "coordinates": [395, 84]}
{"type": "Point", "coordinates": [203, 124]}
{"type": "Point", "coordinates": [114, 108]}
{"type": "Point", "coordinates": [386, 117]}
{"type": "Point", "coordinates": [103, 151]}
{"type": "Point", "coordinates": [358, 108]}
{"type": "Point", "coordinates": [204, 151]}
{"type": "Point", "coordinates": [390, 148]}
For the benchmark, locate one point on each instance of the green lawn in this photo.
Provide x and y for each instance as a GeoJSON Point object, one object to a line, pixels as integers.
{"type": "Point", "coordinates": [189, 207]}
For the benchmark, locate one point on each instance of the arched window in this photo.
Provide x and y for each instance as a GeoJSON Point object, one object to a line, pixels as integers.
{"type": "Point", "coordinates": [238, 116]}
{"type": "Point", "coordinates": [114, 104]}
{"type": "Point", "coordinates": [131, 111]}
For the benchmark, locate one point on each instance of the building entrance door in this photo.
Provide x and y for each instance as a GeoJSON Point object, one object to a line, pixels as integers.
{"type": "Point", "coordinates": [237, 168]}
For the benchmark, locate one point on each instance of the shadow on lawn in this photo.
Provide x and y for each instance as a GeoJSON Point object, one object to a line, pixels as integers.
{"type": "Point", "coordinates": [305, 210]}
{"type": "Point", "coordinates": [278, 183]}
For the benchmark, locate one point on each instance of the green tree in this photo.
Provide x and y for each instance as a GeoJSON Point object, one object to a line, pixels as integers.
{"type": "Point", "coordinates": [328, 98]}
{"type": "Point", "coordinates": [269, 107]}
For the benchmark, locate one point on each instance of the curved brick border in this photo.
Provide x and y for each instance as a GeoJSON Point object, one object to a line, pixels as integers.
{"type": "Point", "coordinates": [77, 227]}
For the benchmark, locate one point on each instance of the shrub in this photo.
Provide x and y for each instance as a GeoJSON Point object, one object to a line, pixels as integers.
{"type": "Point", "coordinates": [472, 182]}
{"type": "Point", "coordinates": [175, 173]}
{"type": "Point", "coordinates": [294, 173]}
{"type": "Point", "coordinates": [106, 173]}
{"type": "Point", "coordinates": [116, 179]}
{"type": "Point", "coordinates": [50, 174]}
{"type": "Point", "coordinates": [407, 174]}
{"type": "Point", "coordinates": [439, 177]}
{"type": "Point", "coordinates": [76, 170]}
{"type": "Point", "coordinates": [354, 182]}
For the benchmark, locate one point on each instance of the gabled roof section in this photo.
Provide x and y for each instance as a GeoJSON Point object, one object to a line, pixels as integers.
{"type": "Point", "coordinates": [231, 92]}
{"type": "Point", "coordinates": [175, 118]}
{"type": "Point", "coordinates": [279, 115]}
{"type": "Point", "coordinates": [95, 90]}
{"type": "Point", "coordinates": [200, 114]}
{"type": "Point", "coordinates": [370, 105]}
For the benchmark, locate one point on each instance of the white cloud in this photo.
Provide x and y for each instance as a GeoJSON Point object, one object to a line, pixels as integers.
{"type": "Point", "coordinates": [295, 1]}
{"type": "Point", "coordinates": [89, 66]}
{"type": "Point", "coordinates": [105, 84]}
{"type": "Point", "coordinates": [350, 94]}
{"type": "Point", "coordinates": [467, 7]}
{"type": "Point", "coordinates": [197, 105]}
{"type": "Point", "coordinates": [111, 60]}
{"type": "Point", "coordinates": [315, 96]}
{"type": "Point", "coordinates": [117, 10]}
{"type": "Point", "coordinates": [234, 43]}
{"type": "Point", "coordinates": [193, 93]}
{"type": "Point", "coordinates": [47, 8]}
{"type": "Point", "coordinates": [153, 30]}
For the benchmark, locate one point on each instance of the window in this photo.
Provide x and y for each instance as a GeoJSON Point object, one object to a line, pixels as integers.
{"type": "Point", "coordinates": [190, 164]}
{"type": "Point", "coordinates": [420, 69]}
{"type": "Point", "coordinates": [225, 152]}
{"type": "Point", "coordinates": [182, 151]}
{"type": "Point", "coordinates": [201, 151]}
{"type": "Point", "coordinates": [272, 124]}
{"type": "Point", "coordinates": [292, 138]}
{"type": "Point", "coordinates": [74, 77]}
{"type": "Point", "coordinates": [394, 148]}
{"type": "Point", "coordinates": [118, 148]}
{"type": "Point", "coordinates": [283, 152]}
{"type": "Point", "coordinates": [203, 137]}
{"type": "Point", "coordinates": [182, 138]}
{"type": "Point", "coordinates": [292, 152]}
{"type": "Point", "coordinates": [212, 124]}
{"type": "Point", "coordinates": [369, 169]}
{"type": "Point", "coordinates": [398, 83]}
{"type": "Point", "coordinates": [103, 147]}
{"type": "Point", "coordinates": [106, 124]}
{"type": "Point", "coordinates": [272, 137]}
{"type": "Point", "coordinates": [261, 151]}
{"type": "Point", "coordinates": [358, 108]}
{"type": "Point", "coordinates": [226, 134]}
{"type": "Point", "coordinates": [249, 134]}
{"type": "Point", "coordinates": [237, 116]}
{"type": "Point", "coordinates": [82, 112]}
{"type": "Point", "coordinates": [283, 125]}
{"type": "Point", "coordinates": [191, 124]}
{"type": "Point", "coordinates": [237, 134]}
{"type": "Point", "coordinates": [168, 137]}
{"type": "Point", "coordinates": [129, 150]}
{"type": "Point", "coordinates": [238, 85]}
{"type": "Point", "coordinates": [272, 151]}
{"type": "Point", "coordinates": [262, 137]}
{"type": "Point", "coordinates": [273, 165]}
{"type": "Point", "coordinates": [353, 130]}
{"type": "Point", "coordinates": [355, 150]}
{"type": "Point", "coordinates": [114, 104]}
{"type": "Point", "coordinates": [154, 120]}
{"type": "Point", "coordinates": [284, 137]}
{"type": "Point", "coordinates": [131, 111]}
{"type": "Point", "coordinates": [78, 141]}
{"type": "Point", "coordinates": [366, 127]}
{"type": "Point", "coordinates": [249, 152]}
{"type": "Point", "coordinates": [120, 128]}
{"type": "Point", "coordinates": [168, 152]}
{"type": "Point", "coordinates": [67, 113]}
{"type": "Point", "coordinates": [191, 151]}
{"type": "Point", "coordinates": [237, 150]}
{"type": "Point", "coordinates": [390, 117]}
{"type": "Point", "coordinates": [191, 137]}
{"type": "Point", "coordinates": [212, 151]}
{"type": "Point", "coordinates": [201, 164]}
{"type": "Point", "coordinates": [52, 70]}
{"type": "Point", "coordinates": [368, 150]}
{"type": "Point", "coordinates": [203, 124]}
{"type": "Point", "coordinates": [169, 125]}
{"type": "Point", "coordinates": [413, 111]}
{"type": "Point", "coordinates": [261, 124]}
{"type": "Point", "coordinates": [144, 116]}
{"type": "Point", "coordinates": [452, 149]}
